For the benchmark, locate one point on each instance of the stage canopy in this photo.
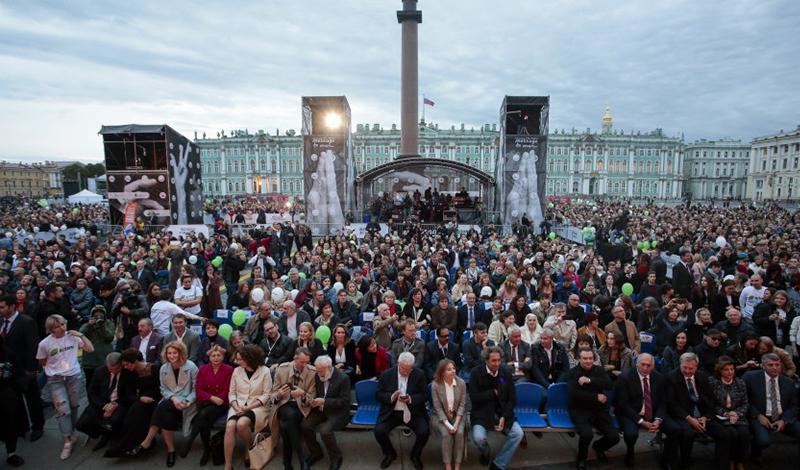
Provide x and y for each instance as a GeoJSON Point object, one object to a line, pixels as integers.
{"type": "Point", "coordinates": [85, 197]}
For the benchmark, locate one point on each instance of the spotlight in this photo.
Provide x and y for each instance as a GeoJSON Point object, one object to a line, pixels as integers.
{"type": "Point", "coordinates": [333, 120]}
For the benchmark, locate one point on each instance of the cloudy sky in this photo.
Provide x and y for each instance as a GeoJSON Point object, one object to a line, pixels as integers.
{"type": "Point", "coordinates": [707, 68]}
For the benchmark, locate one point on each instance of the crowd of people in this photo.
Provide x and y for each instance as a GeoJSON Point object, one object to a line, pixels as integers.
{"type": "Point", "coordinates": [704, 346]}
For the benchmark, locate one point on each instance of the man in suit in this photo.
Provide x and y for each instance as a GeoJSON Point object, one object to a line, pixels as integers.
{"type": "Point", "coordinates": [402, 393]}
{"type": "Point", "coordinates": [472, 349]}
{"type": "Point", "coordinates": [278, 347]}
{"type": "Point", "coordinates": [624, 329]}
{"type": "Point", "coordinates": [682, 279]}
{"type": "Point", "coordinates": [773, 403]}
{"type": "Point", "coordinates": [493, 397]}
{"type": "Point", "coordinates": [293, 390]}
{"type": "Point", "coordinates": [440, 349]}
{"type": "Point", "coordinates": [291, 319]}
{"type": "Point", "coordinates": [143, 275]}
{"type": "Point", "coordinates": [587, 383]}
{"type": "Point", "coordinates": [470, 314]}
{"type": "Point", "coordinates": [330, 411]}
{"type": "Point", "coordinates": [550, 360]}
{"type": "Point", "coordinates": [517, 355]}
{"type": "Point", "coordinates": [409, 343]}
{"type": "Point", "coordinates": [185, 335]}
{"type": "Point", "coordinates": [345, 310]}
{"type": "Point", "coordinates": [640, 402]}
{"type": "Point", "coordinates": [148, 342]}
{"type": "Point", "coordinates": [111, 391]}
{"type": "Point", "coordinates": [21, 338]}
{"type": "Point", "coordinates": [687, 410]}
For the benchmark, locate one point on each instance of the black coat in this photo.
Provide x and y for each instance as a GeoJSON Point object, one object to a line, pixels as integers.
{"type": "Point", "coordinates": [279, 351]}
{"type": "Point", "coordinates": [544, 373]}
{"type": "Point", "coordinates": [337, 400]}
{"type": "Point", "coordinates": [682, 281]}
{"type": "Point", "coordinates": [679, 405]}
{"type": "Point", "coordinates": [481, 315]}
{"type": "Point", "coordinates": [99, 393]}
{"type": "Point", "coordinates": [629, 397]}
{"type": "Point", "coordinates": [583, 398]}
{"type": "Point", "coordinates": [416, 388]}
{"type": "Point", "coordinates": [433, 355]}
{"type": "Point", "coordinates": [766, 327]}
{"type": "Point", "coordinates": [20, 347]}
{"type": "Point", "coordinates": [488, 407]}
{"type": "Point", "coordinates": [349, 354]}
{"type": "Point", "coordinates": [471, 352]}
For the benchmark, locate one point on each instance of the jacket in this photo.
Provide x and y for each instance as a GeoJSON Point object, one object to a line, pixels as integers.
{"type": "Point", "coordinates": [183, 389]}
{"type": "Point", "coordinates": [417, 349]}
{"type": "Point", "coordinates": [416, 388]}
{"type": "Point", "coordinates": [488, 407]}
{"type": "Point", "coordinates": [439, 397]}
{"type": "Point", "coordinates": [629, 396]}
{"type": "Point", "coordinates": [82, 300]}
{"type": "Point", "coordinates": [630, 332]}
{"type": "Point", "coordinates": [190, 339]}
{"type": "Point", "coordinates": [756, 382]}
{"type": "Point", "coordinates": [544, 371]}
{"type": "Point", "coordinates": [337, 398]}
{"type": "Point", "coordinates": [244, 390]}
{"type": "Point", "coordinates": [283, 375]}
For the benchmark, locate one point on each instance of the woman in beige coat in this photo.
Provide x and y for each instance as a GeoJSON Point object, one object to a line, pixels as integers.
{"type": "Point", "coordinates": [449, 400]}
{"type": "Point", "coordinates": [250, 392]}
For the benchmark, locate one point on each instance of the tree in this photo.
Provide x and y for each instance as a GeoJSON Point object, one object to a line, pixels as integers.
{"type": "Point", "coordinates": [82, 172]}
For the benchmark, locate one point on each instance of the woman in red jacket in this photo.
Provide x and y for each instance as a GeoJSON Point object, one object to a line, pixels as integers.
{"type": "Point", "coordinates": [213, 384]}
{"type": "Point", "coordinates": [371, 359]}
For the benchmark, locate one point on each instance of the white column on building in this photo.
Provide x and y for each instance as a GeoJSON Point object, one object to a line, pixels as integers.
{"type": "Point", "coordinates": [631, 153]}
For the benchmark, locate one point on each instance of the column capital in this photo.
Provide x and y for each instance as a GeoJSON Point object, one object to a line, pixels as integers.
{"type": "Point", "coordinates": [409, 15]}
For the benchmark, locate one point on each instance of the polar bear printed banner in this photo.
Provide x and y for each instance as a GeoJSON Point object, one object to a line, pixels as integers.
{"type": "Point", "coordinates": [325, 180]}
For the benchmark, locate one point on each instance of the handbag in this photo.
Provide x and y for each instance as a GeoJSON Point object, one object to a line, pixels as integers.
{"type": "Point", "coordinates": [262, 450]}
{"type": "Point", "coordinates": [217, 444]}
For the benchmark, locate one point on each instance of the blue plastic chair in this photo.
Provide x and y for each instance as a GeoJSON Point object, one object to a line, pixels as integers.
{"type": "Point", "coordinates": [558, 407]}
{"type": "Point", "coordinates": [648, 342]}
{"type": "Point", "coordinates": [466, 336]}
{"type": "Point", "coordinates": [529, 398]}
{"type": "Point", "coordinates": [429, 399]}
{"type": "Point", "coordinates": [368, 405]}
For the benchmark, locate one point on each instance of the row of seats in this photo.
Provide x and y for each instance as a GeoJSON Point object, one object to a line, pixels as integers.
{"type": "Point", "coordinates": [529, 400]}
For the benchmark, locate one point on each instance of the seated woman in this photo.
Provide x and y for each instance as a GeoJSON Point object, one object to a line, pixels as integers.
{"type": "Point", "coordinates": [672, 353]}
{"type": "Point", "coordinates": [371, 359]}
{"type": "Point", "coordinates": [211, 339]}
{"type": "Point", "coordinates": [342, 352]}
{"type": "Point", "coordinates": [177, 406]}
{"type": "Point", "coordinates": [239, 299]}
{"type": "Point", "coordinates": [138, 416]}
{"type": "Point", "coordinates": [326, 316]}
{"type": "Point", "coordinates": [666, 325]}
{"type": "Point", "coordinates": [498, 330]}
{"type": "Point", "coordinates": [728, 424]}
{"type": "Point", "coordinates": [306, 339]}
{"type": "Point", "coordinates": [449, 395]}
{"type": "Point", "coordinates": [745, 354]}
{"type": "Point", "coordinates": [213, 385]}
{"type": "Point", "coordinates": [615, 356]}
{"type": "Point", "coordinates": [531, 330]}
{"type": "Point", "coordinates": [592, 330]}
{"type": "Point", "coordinates": [519, 309]}
{"type": "Point", "coordinates": [250, 391]}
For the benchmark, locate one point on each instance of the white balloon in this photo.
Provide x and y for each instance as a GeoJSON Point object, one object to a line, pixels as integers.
{"type": "Point", "coordinates": [278, 295]}
{"type": "Point", "coordinates": [293, 293]}
{"type": "Point", "coordinates": [257, 294]}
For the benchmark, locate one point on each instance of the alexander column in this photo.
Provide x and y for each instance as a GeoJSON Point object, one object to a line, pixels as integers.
{"type": "Point", "coordinates": [409, 17]}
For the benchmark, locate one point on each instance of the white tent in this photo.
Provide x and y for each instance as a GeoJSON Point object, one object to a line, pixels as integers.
{"type": "Point", "coordinates": [85, 197]}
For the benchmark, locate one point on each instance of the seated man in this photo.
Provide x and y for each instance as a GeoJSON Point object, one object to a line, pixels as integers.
{"type": "Point", "coordinates": [148, 342]}
{"type": "Point", "coordinates": [111, 391]}
{"type": "Point", "coordinates": [473, 349]}
{"type": "Point", "coordinates": [402, 393]}
{"type": "Point", "coordinates": [640, 402]}
{"type": "Point", "coordinates": [409, 342]}
{"type": "Point", "coordinates": [517, 355]}
{"type": "Point", "coordinates": [330, 411]}
{"type": "Point", "coordinates": [624, 329]}
{"type": "Point", "coordinates": [587, 383]}
{"type": "Point", "coordinates": [440, 349]}
{"type": "Point", "coordinates": [773, 403]}
{"type": "Point", "coordinates": [550, 360]}
{"type": "Point", "coordinates": [493, 396]}
{"type": "Point", "coordinates": [688, 409]}
{"type": "Point", "coordinates": [185, 335]}
{"type": "Point", "coordinates": [470, 314]}
{"type": "Point", "coordinates": [277, 346]}
{"type": "Point", "coordinates": [293, 390]}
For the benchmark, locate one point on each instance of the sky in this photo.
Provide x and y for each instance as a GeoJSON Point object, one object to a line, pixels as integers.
{"type": "Point", "coordinates": [708, 69]}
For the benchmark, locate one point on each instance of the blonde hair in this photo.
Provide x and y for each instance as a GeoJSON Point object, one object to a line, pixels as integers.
{"type": "Point", "coordinates": [54, 321]}
{"type": "Point", "coordinates": [216, 348]}
{"type": "Point", "coordinates": [183, 353]}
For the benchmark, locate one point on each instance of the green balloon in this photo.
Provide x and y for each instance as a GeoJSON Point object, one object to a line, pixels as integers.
{"type": "Point", "coordinates": [75, 211]}
{"type": "Point", "coordinates": [400, 304]}
{"type": "Point", "coordinates": [647, 213]}
{"type": "Point", "coordinates": [323, 334]}
{"type": "Point", "coordinates": [627, 288]}
{"type": "Point", "coordinates": [654, 243]}
{"type": "Point", "coordinates": [225, 331]}
{"type": "Point", "coordinates": [302, 275]}
{"type": "Point", "coordinates": [646, 245]}
{"type": "Point", "coordinates": [550, 205]}
{"type": "Point", "coordinates": [216, 262]}
{"type": "Point", "coordinates": [552, 235]}
{"type": "Point", "coordinates": [42, 202]}
{"type": "Point", "coordinates": [239, 317]}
